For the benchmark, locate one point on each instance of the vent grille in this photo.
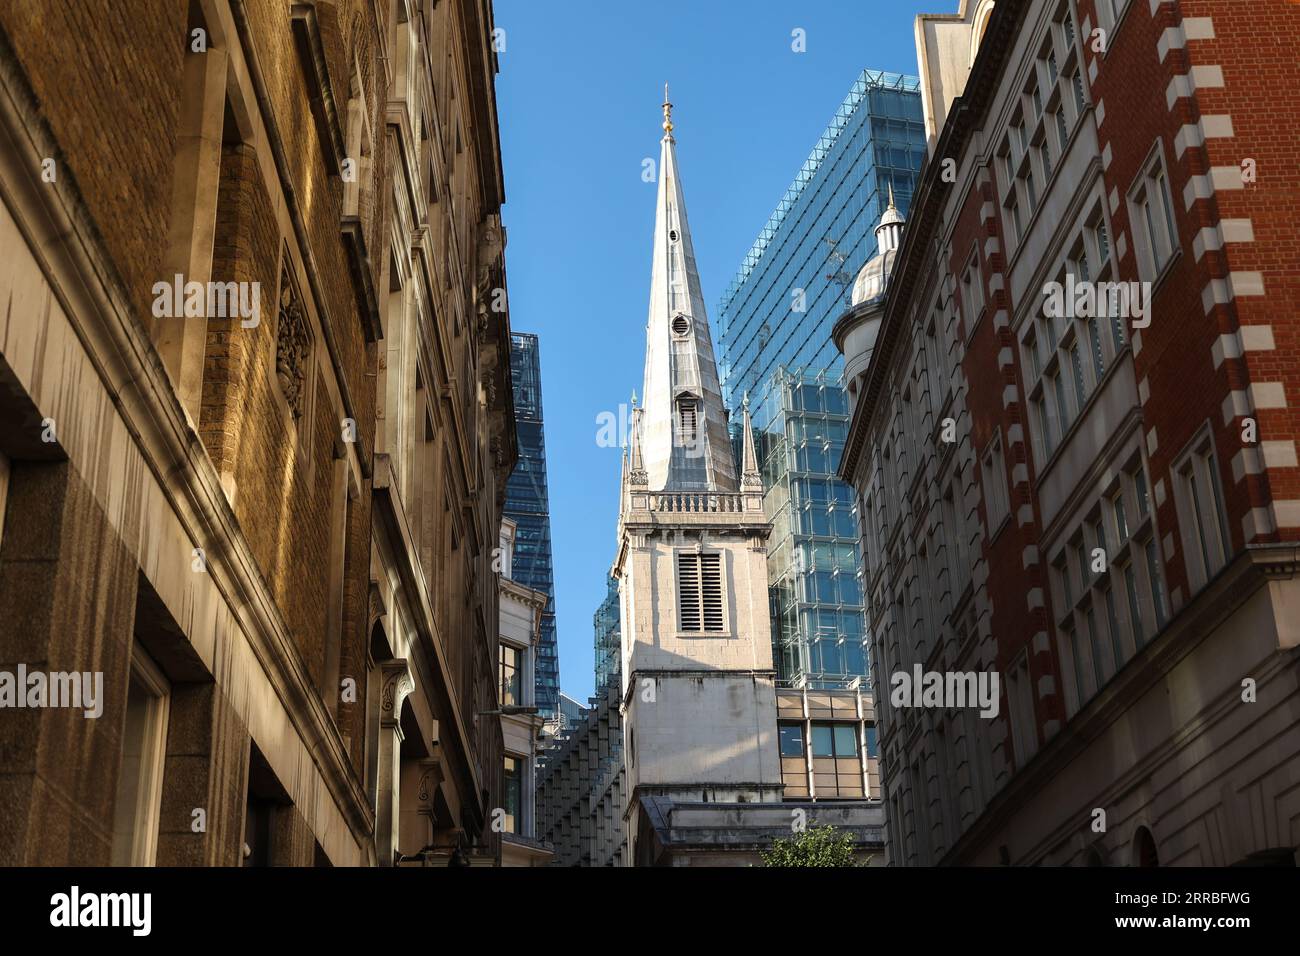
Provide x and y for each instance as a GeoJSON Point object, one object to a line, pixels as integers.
{"type": "Point", "coordinates": [699, 592]}
{"type": "Point", "coordinates": [689, 423]}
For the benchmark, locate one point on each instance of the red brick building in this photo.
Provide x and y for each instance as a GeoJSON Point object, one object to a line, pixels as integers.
{"type": "Point", "coordinates": [1100, 505]}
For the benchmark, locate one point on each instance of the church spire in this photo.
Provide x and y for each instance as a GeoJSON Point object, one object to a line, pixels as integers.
{"type": "Point", "coordinates": [751, 479]}
{"type": "Point", "coordinates": [684, 442]}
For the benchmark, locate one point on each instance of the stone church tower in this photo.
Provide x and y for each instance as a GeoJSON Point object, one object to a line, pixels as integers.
{"type": "Point", "coordinates": [699, 696]}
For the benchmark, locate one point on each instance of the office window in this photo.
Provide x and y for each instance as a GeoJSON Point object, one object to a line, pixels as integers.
{"type": "Point", "coordinates": [823, 740]}
{"type": "Point", "coordinates": [972, 294]}
{"type": "Point", "coordinates": [512, 785]}
{"type": "Point", "coordinates": [1076, 84]}
{"type": "Point", "coordinates": [1068, 357]}
{"type": "Point", "coordinates": [699, 589]}
{"type": "Point", "coordinates": [1024, 732]}
{"type": "Point", "coordinates": [997, 502]}
{"type": "Point", "coordinates": [1109, 11]}
{"type": "Point", "coordinates": [873, 744]}
{"type": "Point", "coordinates": [834, 740]}
{"type": "Point", "coordinates": [1077, 665]}
{"type": "Point", "coordinates": [139, 780]}
{"type": "Point", "coordinates": [791, 736]}
{"type": "Point", "coordinates": [511, 668]}
{"type": "Point", "coordinates": [1155, 583]}
{"type": "Point", "coordinates": [1152, 211]}
{"type": "Point", "coordinates": [1200, 511]}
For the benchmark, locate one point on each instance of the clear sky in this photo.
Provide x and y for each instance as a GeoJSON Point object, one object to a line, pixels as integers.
{"type": "Point", "coordinates": [578, 96]}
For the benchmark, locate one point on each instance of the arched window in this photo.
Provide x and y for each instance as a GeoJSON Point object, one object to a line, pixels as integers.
{"type": "Point", "coordinates": [1144, 849]}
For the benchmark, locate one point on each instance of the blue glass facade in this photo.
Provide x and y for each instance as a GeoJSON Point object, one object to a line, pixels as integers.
{"type": "Point", "coordinates": [528, 503]}
{"type": "Point", "coordinates": [775, 321]}
{"type": "Point", "coordinates": [795, 280]}
{"type": "Point", "coordinates": [608, 647]}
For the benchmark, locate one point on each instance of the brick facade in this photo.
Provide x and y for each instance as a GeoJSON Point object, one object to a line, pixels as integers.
{"type": "Point", "coordinates": [1097, 511]}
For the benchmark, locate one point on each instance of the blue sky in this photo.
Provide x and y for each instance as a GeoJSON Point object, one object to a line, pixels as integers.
{"type": "Point", "coordinates": [578, 97]}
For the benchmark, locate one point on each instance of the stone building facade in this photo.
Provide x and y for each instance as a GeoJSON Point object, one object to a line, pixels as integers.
{"type": "Point", "coordinates": [1096, 504]}
{"type": "Point", "coordinates": [522, 612]}
{"type": "Point", "coordinates": [254, 429]}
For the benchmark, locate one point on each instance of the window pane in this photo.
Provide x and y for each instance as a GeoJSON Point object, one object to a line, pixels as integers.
{"type": "Point", "coordinates": [823, 740]}
{"type": "Point", "coordinates": [846, 740]}
{"type": "Point", "coordinates": [791, 740]}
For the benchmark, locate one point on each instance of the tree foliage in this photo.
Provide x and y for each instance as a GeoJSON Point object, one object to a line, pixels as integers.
{"type": "Point", "coordinates": [816, 846]}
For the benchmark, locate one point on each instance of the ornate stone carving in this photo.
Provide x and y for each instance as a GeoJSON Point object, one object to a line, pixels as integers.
{"type": "Point", "coordinates": [398, 683]}
{"type": "Point", "coordinates": [292, 343]}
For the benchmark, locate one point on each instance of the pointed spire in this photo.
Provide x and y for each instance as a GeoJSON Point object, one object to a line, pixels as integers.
{"type": "Point", "coordinates": [684, 440]}
{"type": "Point", "coordinates": [751, 479]}
{"type": "Point", "coordinates": [636, 473]}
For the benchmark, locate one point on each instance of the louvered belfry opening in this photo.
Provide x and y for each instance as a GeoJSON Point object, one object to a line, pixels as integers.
{"type": "Point", "coordinates": [689, 430]}
{"type": "Point", "coordinates": [699, 591]}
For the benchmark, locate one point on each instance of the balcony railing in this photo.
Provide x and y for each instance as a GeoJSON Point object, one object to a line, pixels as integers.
{"type": "Point", "coordinates": [698, 502]}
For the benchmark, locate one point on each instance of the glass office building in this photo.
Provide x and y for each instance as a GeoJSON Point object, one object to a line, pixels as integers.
{"type": "Point", "coordinates": [819, 635]}
{"type": "Point", "coordinates": [775, 323]}
{"type": "Point", "coordinates": [605, 624]}
{"type": "Point", "coordinates": [528, 503]}
{"type": "Point", "coordinates": [795, 280]}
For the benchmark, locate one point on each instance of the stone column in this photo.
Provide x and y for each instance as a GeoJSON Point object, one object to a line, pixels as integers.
{"type": "Point", "coordinates": [207, 769]}
{"type": "Point", "coordinates": [67, 603]}
{"type": "Point", "coordinates": [398, 683]}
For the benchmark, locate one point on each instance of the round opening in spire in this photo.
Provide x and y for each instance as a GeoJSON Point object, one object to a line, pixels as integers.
{"type": "Point", "coordinates": [681, 325]}
{"type": "Point", "coordinates": [672, 235]}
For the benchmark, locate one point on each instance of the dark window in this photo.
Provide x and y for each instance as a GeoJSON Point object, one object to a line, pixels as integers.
{"type": "Point", "coordinates": [835, 740]}
{"type": "Point", "coordinates": [791, 740]}
{"type": "Point", "coordinates": [823, 740]}
{"type": "Point", "coordinates": [846, 740]}
{"type": "Point", "coordinates": [513, 786]}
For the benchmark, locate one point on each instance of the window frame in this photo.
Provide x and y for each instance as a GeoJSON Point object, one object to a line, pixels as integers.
{"type": "Point", "coordinates": [147, 816]}
{"type": "Point", "coordinates": [725, 610]}
{"type": "Point", "coordinates": [1153, 179]}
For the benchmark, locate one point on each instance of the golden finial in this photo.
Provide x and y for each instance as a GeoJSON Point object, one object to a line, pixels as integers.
{"type": "Point", "coordinates": [891, 195]}
{"type": "Point", "coordinates": [668, 112]}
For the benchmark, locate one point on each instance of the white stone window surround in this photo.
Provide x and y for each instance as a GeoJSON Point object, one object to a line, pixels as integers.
{"type": "Point", "coordinates": [1030, 151]}
{"type": "Point", "coordinates": [1111, 14]}
{"type": "Point", "coordinates": [993, 482]}
{"type": "Point", "coordinates": [1119, 507]}
{"type": "Point", "coordinates": [1153, 218]}
{"type": "Point", "coordinates": [1057, 393]}
{"type": "Point", "coordinates": [1202, 518]}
